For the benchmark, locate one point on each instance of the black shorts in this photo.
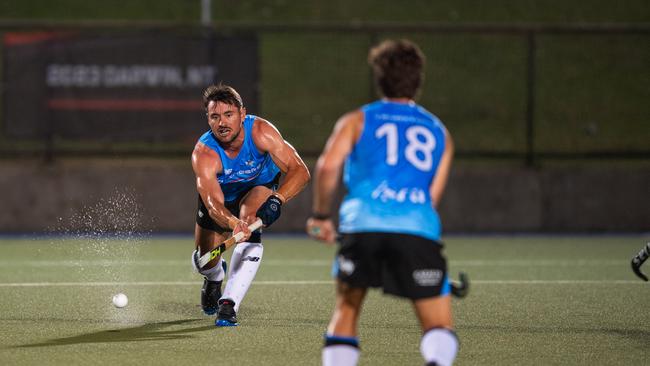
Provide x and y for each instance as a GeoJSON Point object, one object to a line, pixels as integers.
{"type": "Point", "coordinates": [204, 220]}
{"type": "Point", "coordinates": [404, 265]}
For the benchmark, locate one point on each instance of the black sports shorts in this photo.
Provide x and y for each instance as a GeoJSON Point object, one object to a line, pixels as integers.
{"type": "Point", "coordinates": [204, 220]}
{"type": "Point", "coordinates": [404, 265]}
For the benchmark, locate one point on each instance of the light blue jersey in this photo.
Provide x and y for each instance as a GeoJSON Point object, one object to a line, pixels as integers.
{"type": "Point", "coordinates": [248, 169]}
{"type": "Point", "coordinates": [389, 172]}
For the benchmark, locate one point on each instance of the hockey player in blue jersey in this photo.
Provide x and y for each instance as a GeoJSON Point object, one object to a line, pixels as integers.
{"type": "Point", "coordinates": [238, 163]}
{"type": "Point", "coordinates": [396, 158]}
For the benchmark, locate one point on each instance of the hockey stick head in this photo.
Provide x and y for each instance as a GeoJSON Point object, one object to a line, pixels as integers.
{"type": "Point", "coordinates": [460, 289]}
{"type": "Point", "coordinates": [636, 268]}
{"type": "Point", "coordinates": [638, 260]}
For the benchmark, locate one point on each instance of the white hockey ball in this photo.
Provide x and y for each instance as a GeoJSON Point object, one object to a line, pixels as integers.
{"type": "Point", "coordinates": [120, 300]}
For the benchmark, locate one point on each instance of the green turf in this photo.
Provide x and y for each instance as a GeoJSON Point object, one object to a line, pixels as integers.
{"type": "Point", "coordinates": [534, 300]}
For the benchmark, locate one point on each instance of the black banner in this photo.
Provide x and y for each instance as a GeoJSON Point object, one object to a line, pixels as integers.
{"type": "Point", "coordinates": [119, 88]}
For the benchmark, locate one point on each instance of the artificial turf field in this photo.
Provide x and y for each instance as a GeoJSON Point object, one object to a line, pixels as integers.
{"type": "Point", "coordinates": [534, 300]}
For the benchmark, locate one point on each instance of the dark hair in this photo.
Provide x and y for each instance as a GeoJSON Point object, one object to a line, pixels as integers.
{"type": "Point", "coordinates": [221, 93]}
{"type": "Point", "coordinates": [397, 67]}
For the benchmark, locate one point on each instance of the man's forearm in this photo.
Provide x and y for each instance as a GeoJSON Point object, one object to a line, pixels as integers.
{"type": "Point", "coordinates": [324, 189]}
{"type": "Point", "coordinates": [222, 216]}
{"type": "Point", "coordinates": [294, 182]}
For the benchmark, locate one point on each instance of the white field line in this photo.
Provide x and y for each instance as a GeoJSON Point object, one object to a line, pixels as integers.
{"type": "Point", "coordinates": [143, 263]}
{"type": "Point", "coordinates": [307, 263]}
{"type": "Point", "coordinates": [285, 283]}
{"type": "Point", "coordinates": [150, 283]}
{"type": "Point", "coordinates": [539, 263]}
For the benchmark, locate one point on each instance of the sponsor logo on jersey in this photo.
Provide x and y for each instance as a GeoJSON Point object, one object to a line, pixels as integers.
{"type": "Point", "coordinates": [243, 175]}
{"type": "Point", "coordinates": [252, 170]}
{"type": "Point", "coordinates": [384, 193]}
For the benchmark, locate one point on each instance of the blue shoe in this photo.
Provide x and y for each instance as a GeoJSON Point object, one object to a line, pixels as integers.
{"type": "Point", "coordinates": [224, 323]}
{"type": "Point", "coordinates": [226, 317]}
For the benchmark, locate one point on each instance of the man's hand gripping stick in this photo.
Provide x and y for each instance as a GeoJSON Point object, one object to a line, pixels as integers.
{"type": "Point", "coordinates": [227, 244]}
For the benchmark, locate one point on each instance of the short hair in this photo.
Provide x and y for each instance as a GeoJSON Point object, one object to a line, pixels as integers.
{"type": "Point", "coordinates": [398, 68]}
{"type": "Point", "coordinates": [221, 93]}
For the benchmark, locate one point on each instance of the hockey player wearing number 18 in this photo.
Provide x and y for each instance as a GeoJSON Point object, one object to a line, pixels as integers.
{"type": "Point", "coordinates": [396, 158]}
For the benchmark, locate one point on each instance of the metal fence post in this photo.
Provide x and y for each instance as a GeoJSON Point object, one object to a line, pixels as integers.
{"type": "Point", "coordinates": [206, 13]}
{"type": "Point", "coordinates": [372, 93]}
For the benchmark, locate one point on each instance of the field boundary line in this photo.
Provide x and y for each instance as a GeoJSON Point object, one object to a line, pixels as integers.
{"type": "Point", "coordinates": [273, 283]}
{"type": "Point", "coordinates": [154, 262]}
{"type": "Point", "coordinates": [314, 262]}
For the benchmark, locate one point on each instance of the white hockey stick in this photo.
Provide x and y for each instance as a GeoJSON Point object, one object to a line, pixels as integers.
{"type": "Point", "coordinates": [221, 248]}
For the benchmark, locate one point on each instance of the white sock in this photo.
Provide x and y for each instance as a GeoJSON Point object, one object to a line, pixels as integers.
{"type": "Point", "coordinates": [245, 261]}
{"type": "Point", "coordinates": [340, 351]}
{"type": "Point", "coordinates": [439, 345]}
{"type": "Point", "coordinates": [340, 355]}
{"type": "Point", "coordinates": [215, 273]}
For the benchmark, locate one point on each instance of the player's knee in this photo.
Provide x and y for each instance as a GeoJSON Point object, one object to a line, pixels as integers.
{"type": "Point", "coordinates": [195, 261]}
{"type": "Point", "coordinates": [213, 273]}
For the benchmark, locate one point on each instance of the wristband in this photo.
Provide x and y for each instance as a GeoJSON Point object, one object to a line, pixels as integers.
{"type": "Point", "coordinates": [280, 196]}
{"type": "Point", "coordinates": [270, 210]}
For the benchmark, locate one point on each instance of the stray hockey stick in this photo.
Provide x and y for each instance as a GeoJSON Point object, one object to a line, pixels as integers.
{"type": "Point", "coordinates": [228, 243]}
{"type": "Point", "coordinates": [460, 289]}
{"type": "Point", "coordinates": [638, 260]}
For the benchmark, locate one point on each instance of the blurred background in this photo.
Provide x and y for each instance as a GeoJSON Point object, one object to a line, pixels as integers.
{"type": "Point", "coordinates": [547, 101]}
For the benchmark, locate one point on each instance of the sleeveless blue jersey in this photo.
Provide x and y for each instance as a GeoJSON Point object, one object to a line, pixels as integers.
{"type": "Point", "coordinates": [389, 172]}
{"type": "Point", "coordinates": [249, 168]}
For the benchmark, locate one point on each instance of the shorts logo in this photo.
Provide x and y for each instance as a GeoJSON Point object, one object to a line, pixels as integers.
{"type": "Point", "coordinates": [200, 214]}
{"type": "Point", "coordinates": [345, 265]}
{"type": "Point", "coordinates": [427, 277]}
{"type": "Point", "coordinates": [251, 258]}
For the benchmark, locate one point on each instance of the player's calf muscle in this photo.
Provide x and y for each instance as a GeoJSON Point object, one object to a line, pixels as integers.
{"type": "Point", "coordinates": [434, 312]}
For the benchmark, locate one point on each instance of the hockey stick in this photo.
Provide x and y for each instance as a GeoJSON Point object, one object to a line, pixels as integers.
{"type": "Point", "coordinates": [460, 289]}
{"type": "Point", "coordinates": [638, 260]}
{"type": "Point", "coordinates": [221, 248]}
